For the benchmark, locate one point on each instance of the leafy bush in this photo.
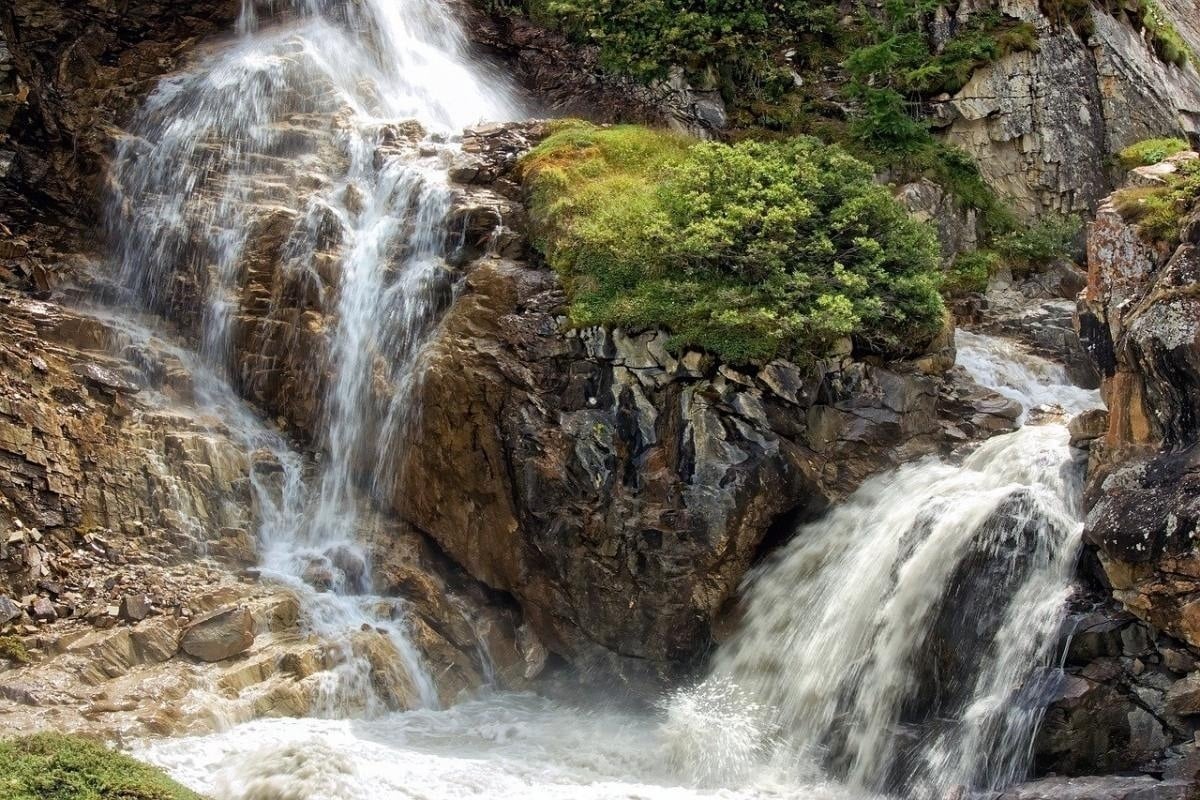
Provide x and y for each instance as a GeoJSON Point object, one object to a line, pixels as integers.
{"type": "Point", "coordinates": [1159, 211]}
{"type": "Point", "coordinates": [1150, 151]}
{"type": "Point", "coordinates": [970, 271]}
{"type": "Point", "coordinates": [750, 250]}
{"type": "Point", "coordinates": [55, 767]}
{"type": "Point", "coordinates": [1039, 244]}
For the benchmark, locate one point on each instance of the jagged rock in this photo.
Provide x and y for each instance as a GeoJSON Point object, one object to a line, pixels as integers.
{"type": "Point", "coordinates": [1041, 123]}
{"type": "Point", "coordinates": [1140, 319]}
{"type": "Point", "coordinates": [620, 491]}
{"type": "Point", "coordinates": [135, 607]}
{"type": "Point", "coordinates": [220, 635]}
{"type": "Point", "coordinates": [9, 610]}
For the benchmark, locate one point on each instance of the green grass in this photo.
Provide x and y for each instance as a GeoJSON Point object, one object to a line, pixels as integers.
{"type": "Point", "coordinates": [51, 766]}
{"type": "Point", "coordinates": [1159, 211]}
{"type": "Point", "coordinates": [750, 251]}
{"type": "Point", "coordinates": [970, 271]}
{"type": "Point", "coordinates": [1150, 151]}
{"type": "Point", "coordinates": [13, 649]}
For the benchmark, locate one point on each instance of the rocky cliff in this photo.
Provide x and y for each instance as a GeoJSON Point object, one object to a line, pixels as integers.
{"type": "Point", "coordinates": [1043, 123]}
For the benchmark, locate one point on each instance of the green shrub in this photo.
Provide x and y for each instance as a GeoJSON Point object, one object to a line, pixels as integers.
{"type": "Point", "coordinates": [1159, 211]}
{"type": "Point", "coordinates": [970, 271]}
{"type": "Point", "coordinates": [1150, 151]}
{"type": "Point", "coordinates": [1027, 248]}
{"type": "Point", "coordinates": [13, 649]}
{"type": "Point", "coordinates": [750, 250]}
{"type": "Point", "coordinates": [56, 767]}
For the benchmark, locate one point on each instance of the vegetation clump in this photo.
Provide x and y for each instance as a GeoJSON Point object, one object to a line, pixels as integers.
{"type": "Point", "coordinates": [750, 251]}
{"type": "Point", "coordinates": [1150, 151]}
{"type": "Point", "coordinates": [13, 649]}
{"type": "Point", "coordinates": [50, 766]}
{"type": "Point", "coordinates": [1159, 211]}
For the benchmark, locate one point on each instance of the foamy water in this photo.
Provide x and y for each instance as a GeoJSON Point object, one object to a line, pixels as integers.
{"type": "Point", "coordinates": [503, 747]}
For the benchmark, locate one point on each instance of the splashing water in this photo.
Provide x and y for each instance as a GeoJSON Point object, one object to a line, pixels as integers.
{"type": "Point", "coordinates": [856, 670]}
{"type": "Point", "coordinates": [896, 643]}
{"type": "Point", "coordinates": [295, 148]}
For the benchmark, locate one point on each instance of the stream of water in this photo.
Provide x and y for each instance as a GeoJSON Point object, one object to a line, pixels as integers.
{"type": "Point", "coordinates": [855, 673]}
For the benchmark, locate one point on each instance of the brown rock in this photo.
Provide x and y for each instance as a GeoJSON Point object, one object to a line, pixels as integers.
{"type": "Point", "coordinates": [220, 635]}
{"type": "Point", "coordinates": [135, 607]}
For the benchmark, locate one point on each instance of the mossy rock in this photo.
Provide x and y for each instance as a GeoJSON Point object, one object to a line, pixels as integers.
{"type": "Point", "coordinates": [51, 766]}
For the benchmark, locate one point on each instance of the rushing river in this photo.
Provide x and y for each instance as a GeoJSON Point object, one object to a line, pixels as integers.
{"type": "Point", "coordinates": [895, 646]}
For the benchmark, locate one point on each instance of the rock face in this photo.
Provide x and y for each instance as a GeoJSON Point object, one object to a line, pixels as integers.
{"type": "Point", "coordinates": [69, 72]}
{"type": "Point", "coordinates": [1140, 318]}
{"type": "Point", "coordinates": [621, 492]}
{"type": "Point", "coordinates": [1042, 124]}
{"type": "Point", "coordinates": [1129, 699]}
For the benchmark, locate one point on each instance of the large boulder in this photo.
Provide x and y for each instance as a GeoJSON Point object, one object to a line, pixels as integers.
{"type": "Point", "coordinates": [620, 491]}
{"type": "Point", "coordinates": [222, 634]}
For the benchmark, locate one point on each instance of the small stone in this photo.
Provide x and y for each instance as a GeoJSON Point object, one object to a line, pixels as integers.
{"type": "Point", "coordinates": [135, 607]}
{"type": "Point", "coordinates": [43, 609]}
{"type": "Point", "coordinates": [9, 610]}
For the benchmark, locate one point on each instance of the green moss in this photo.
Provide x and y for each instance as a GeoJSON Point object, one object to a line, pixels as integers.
{"type": "Point", "coordinates": [1150, 151]}
{"type": "Point", "coordinates": [13, 649]}
{"type": "Point", "coordinates": [750, 250]}
{"type": "Point", "coordinates": [57, 767]}
{"type": "Point", "coordinates": [1159, 211]}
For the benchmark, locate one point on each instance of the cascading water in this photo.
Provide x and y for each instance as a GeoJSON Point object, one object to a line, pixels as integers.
{"type": "Point", "coordinates": [895, 643]}
{"type": "Point", "coordinates": [303, 124]}
{"type": "Point", "coordinates": [895, 646]}
{"type": "Point", "coordinates": [857, 669]}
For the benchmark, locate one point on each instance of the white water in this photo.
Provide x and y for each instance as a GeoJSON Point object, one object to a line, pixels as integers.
{"type": "Point", "coordinates": [828, 691]}
{"type": "Point", "coordinates": [303, 119]}
{"type": "Point", "coordinates": [825, 693]}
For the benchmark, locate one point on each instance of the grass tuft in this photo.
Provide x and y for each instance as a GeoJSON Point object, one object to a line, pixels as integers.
{"type": "Point", "coordinates": [50, 766]}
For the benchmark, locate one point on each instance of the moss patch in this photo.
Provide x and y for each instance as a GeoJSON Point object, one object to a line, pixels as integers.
{"type": "Point", "coordinates": [51, 766]}
{"type": "Point", "coordinates": [1150, 151]}
{"type": "Point", "coordinates": [750, 251]}
{"type": "Point", "coordinates": [13, 649]}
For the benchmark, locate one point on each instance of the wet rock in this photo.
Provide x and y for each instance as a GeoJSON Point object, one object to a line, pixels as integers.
{"type": "Point", "coordinates": [1099, 788]}
{"type": "Point", "coordinates": [1088, 426]}
{"type": "Point", "coordinates": [220, 635]}
{"type": "Point", "coordinates": [625, 489]}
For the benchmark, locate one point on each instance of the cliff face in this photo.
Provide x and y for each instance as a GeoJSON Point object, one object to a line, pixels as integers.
{"type": "Point", "coordinates": [71, 73]}
{"type": "Point", "coordinates": [1042, 124]}
{"type": "Point", "coordinates": [1140, 316]}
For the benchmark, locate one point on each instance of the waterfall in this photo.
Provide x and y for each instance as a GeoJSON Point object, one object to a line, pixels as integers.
{"type": "Point", "coordinates": [324, 138]}
{"type": "Point", "coordinates": [897, 643]}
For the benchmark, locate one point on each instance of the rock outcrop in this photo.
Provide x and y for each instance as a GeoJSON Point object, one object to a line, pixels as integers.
{"type": "Point", "coordinates": [1128, 701]}
{"type": "Point", "coordinates": [620, 491]}
{"type": "Point", "coordinates": [69, 73]}
{"type": "Point", "coordinates": [1140, 318]}
{"type": "Point", "coordinates": [127, 527]}
{"type": "Point", "coordinates": [1042, 123]}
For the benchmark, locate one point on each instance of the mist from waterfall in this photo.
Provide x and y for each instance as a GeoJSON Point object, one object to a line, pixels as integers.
{"type": "Point", "coordinates": [306, 120]}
